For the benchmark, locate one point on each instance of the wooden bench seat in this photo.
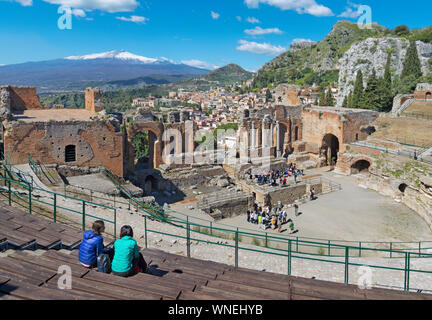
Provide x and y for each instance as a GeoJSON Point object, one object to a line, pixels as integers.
{"type": "Point", "coordinates": [20, 277]}
{"type": "Point", "coordinates": [26, 291]}
{"type": "Point", "coordinates": [196, 279]}
{"type": "Point", "coordinates": [223, 294]}
{"type": "Point", "coordinates": [3, 279]}
{"type": "Point", "coordinates": [30, 222]}
{"type": "Point", "coordinates": [26, 269]}
{"type": "Point", "coordinates": [257, 282]}
{"type": "Point", "coordinates": [105, 290]}
{"type": "Point", "coordinates": [173, 282]}
{"type": "Point", "coordinates": [191, 269]}
{"type": "Point", "coordinates": [263, 275]}
{"type": "Point", "coordinates": [43, 239]}
{"type": "Point", "coordinates": [51, 264]}
{"type": "Point", "coordinates": [172, 257]}
{"type": "Point", "coordinates": [265, 294]}
{"type": "Point", "coordinates": [133, 283]}
{"type": "Point", "coordinates": [16, 238]}
{"type": "Point", "coordinates": [199, 296]}
{"type": "Point", "coordinates": [13, 210]}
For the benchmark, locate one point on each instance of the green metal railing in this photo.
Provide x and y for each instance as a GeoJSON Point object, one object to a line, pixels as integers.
{"type": "Point", "coordinates": [277, 246]}
{"type": "Point", "coordinates": [27, 193]}
{"type": "Point", "coordinates": [156, 213]}
{"type": "Point", "coordinates": [290, 253]}
{"type": "Point", "coordinates": [15, 173]}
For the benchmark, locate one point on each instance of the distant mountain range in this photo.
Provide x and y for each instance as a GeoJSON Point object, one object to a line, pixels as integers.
{"type": "Point", "coordinates": [120, 100]}
{"type": "Point", "coordinates": [107, 70]}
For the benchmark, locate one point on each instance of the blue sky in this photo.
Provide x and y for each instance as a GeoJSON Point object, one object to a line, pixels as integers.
{"type": "Point", "coordinates": [199, 32]}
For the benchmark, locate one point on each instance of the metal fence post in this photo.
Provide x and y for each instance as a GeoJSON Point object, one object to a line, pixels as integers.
{"type": "Point", "coordinates": [391, 249]}
{"type": "Point", "coordinates": [211, 228]}
{"type": "Point", "coordinates": [329, 247]}
{"type": "Point", "coordinates": [297, 245]}
{"type": "Point", "coordinates": [55, 207]}
{"type": "Point", "coordinates": [83, 215]}
{"type": "Point", "coordinates": [346, 264]}
{"type": "Point", "coordinates": [10, 193]}
{"type": "Point", "coordinates": [289, 256]}
{"type": "Point", "coordinates": [30, 202]}
{"type": "Point", "coordinates": [236, 248]}
{"type": "Point", "coordinates": [115, 224]}
{"type": "Point", "coordinates": [188, 237]}
{"type": "Point", "coordinates": [407, 271]}
{"type": "Point", "coordinates": [360, 249]}
{"type": "Point", "coordinates": [145, 231]}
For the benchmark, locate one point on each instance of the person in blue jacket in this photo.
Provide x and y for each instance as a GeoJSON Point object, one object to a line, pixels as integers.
{"type": "Point", "coordinates": [92, 245]}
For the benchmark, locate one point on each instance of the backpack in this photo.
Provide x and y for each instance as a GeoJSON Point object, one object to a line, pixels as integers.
{"type": "Point", "coordinates": [104, 263]}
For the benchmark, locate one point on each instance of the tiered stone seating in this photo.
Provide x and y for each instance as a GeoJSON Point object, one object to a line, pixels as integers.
{"type": "Point", "coordinates": [34, 275]}
{"type": "Point", "coordinates": [20, 230]}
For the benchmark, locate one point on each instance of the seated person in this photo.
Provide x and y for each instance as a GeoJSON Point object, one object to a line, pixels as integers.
{"type": "Point", "coordinates": [127, 257]}
{"type": "Point", "coordinates": [92, 245]}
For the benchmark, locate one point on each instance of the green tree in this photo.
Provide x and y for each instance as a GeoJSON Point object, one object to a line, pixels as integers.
{"type": "Point", "coordinates": [385, 88]}
{"type": "Point", "coordinates": [345, 102]}
{"type": "Point", "coordinates": [329, 98]}
{"type": "Point", "coordinates": [401, 30]}
{"type": "Point", "coordinates": [411, 65]}
{"type": "Point", "coordinates": [350, 100]}
{"type": "Point", "coordinates": [371, 99]}
{"type": "Point", "coordinates": [268, 95]}
{"type": "Point", "coordinates": [322, 97]}
{"type": "Point", "coordinates": [357, 98]}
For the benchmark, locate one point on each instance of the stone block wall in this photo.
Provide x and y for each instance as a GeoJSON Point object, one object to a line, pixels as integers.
{"type": "Point", "coordinates": [96, 143]}
{"type": "Point", "coordinates": [16, 99]}
{"type": "Point", "coordinates": [93, 99]}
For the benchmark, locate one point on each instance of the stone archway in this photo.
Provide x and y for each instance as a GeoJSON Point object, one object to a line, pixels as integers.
{"type": "Point", "coordinates": [360, 165]}
{"type": "Point", "coordinates": [150, 184]}
{"type": "Point", "coordinates": [330, 148]}
{"type": "Point", "coordinates": [155, 131]}
{"type": "Point", "coordinates": [428, 96]}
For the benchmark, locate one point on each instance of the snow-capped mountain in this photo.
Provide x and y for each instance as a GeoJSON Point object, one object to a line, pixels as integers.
{"type": "Point", "coordinates": [79, 72]}
{"type": "Point", "coordinates": [115, 54]}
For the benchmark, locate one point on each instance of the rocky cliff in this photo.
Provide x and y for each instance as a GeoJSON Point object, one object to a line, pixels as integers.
{"type": "Point", "coordinates": [372, 53]}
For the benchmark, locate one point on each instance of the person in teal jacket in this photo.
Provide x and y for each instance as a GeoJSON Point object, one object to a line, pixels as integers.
{"type": "Point", "coordinates": [127, 261]}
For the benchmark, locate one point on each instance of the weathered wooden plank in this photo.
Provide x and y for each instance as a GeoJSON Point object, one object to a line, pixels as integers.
{"type": "Point", "coordinates": [147, 286]}
{"type": "Point", "coordinates": [265, 294]}
{"type": "Point", "coordinates": [106, 290]}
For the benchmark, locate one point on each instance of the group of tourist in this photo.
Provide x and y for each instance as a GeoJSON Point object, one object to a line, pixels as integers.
{"type": "Point", "coordinates": [277, 177]}
{"type": "Point", "coordinates": [267, 218]}
{"type": "Point", "coordinates": [123, 260]}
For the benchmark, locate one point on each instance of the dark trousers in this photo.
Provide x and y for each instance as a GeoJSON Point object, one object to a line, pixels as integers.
{"type": "Point", "coordinates": [135, 262]}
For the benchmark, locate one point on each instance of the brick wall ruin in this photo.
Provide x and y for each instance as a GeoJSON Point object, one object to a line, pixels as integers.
{"type": "Point", "coordinates": [95, 143]}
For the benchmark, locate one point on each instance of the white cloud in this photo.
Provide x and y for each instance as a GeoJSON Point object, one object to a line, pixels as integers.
{"type": "Point", "coordinates": [260, 48]}
{"type": "Point", "coordinates": [199, 64]}
{"type": "Point", "coordinates": [258, 31]}
{"type": "Point", "coordinates": [301, 6]}
{"type": "Point", "coordinates": [25, 3]}
{"type": "Point", "coordinates": [110, 6]}
{"type": "Point", "coordinates": [78, 13]}
{"type": "Point", "coordinates": [253, 20]}
{"type": "Point", "coordinates": [215, 15]}
{"type": "Point", "coordinates": [239, 19]}
{"type": "Point", "coordinates": [349, 12]}
{"type": "Point", "coordinates": [134, 19]}
{"type": "Point", "coordinates": [295, 41]}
